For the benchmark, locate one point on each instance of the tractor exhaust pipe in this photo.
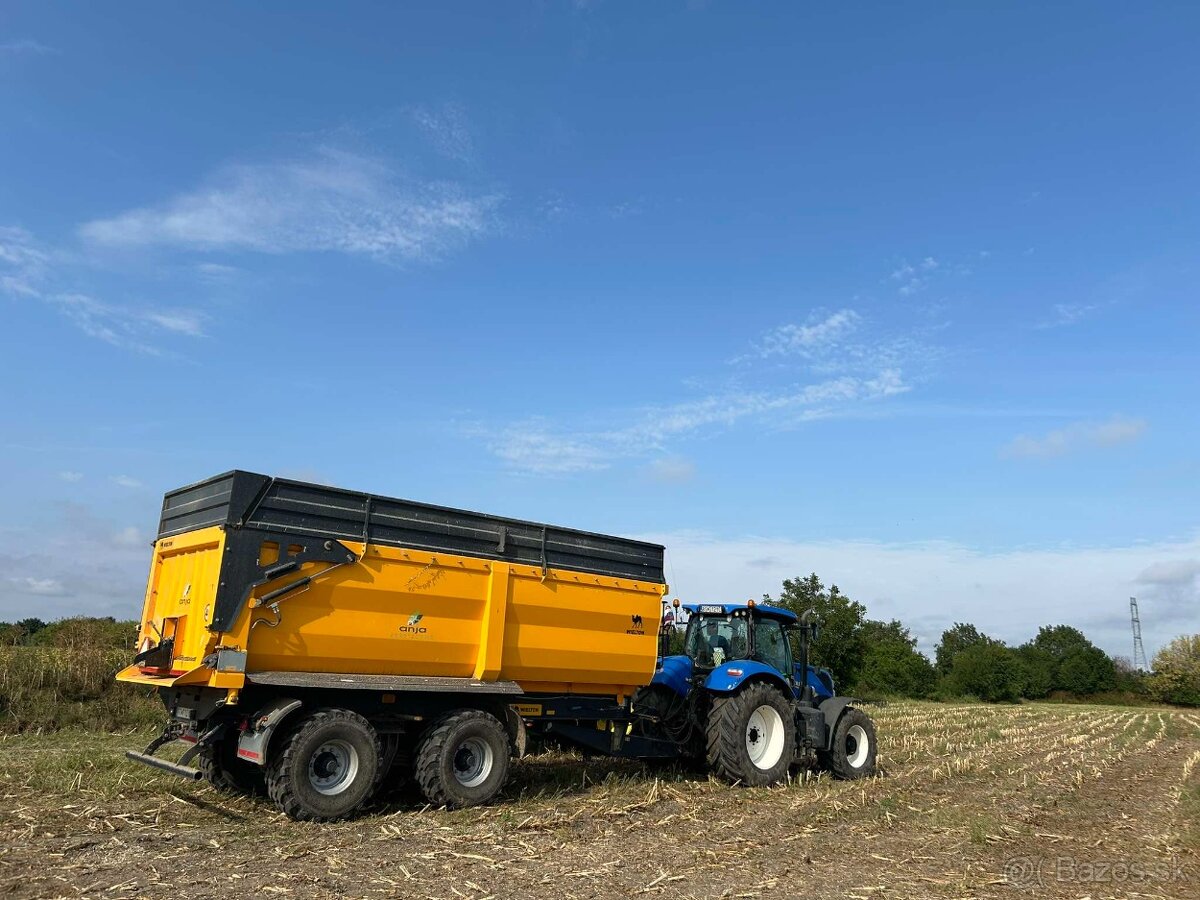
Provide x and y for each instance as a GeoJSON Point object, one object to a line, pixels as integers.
{"type": "Point", "coordinates": [806, 634]}
{"type": "Point", "coordinates": [167, 766]}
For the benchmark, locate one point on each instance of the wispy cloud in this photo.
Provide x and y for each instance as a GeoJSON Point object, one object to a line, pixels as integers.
{"type": "Point", "coordinates": [539, 447]}
{"type": "Point", "coordinates": [125, 481]}
{"type": "Point", "coordinates": [1063, 314]}
{"type": "Point", "coordinates": [38, 587]}
{"type": "Point", "coordinates": [913, 277]}
{"type": "Point", "coordinates": [1075, 436]}
{"type": "Point", "coordinates": [447, 128]}
{"type": "Point", "coordinates": [1171, 573]}
{"type": "Point", "coordinates": [26, 46]}
{"type": "Point", "coordinates": [28, 271]}
{"type": "Point", "coordinates": [122, 326]}
{"type": "Point", "coordinates": [332, 202]}
{"type": "Point", "coordinates": [815, 335]}
{"type": "Point", "coordinates": [71, 477]}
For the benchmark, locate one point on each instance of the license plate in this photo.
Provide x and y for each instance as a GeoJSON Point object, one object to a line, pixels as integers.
{"type": "Point", "coordinates": [712, 610]}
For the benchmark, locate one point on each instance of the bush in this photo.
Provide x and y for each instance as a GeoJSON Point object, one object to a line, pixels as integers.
{"type": "Point", "coordinates": [64, 677]}
{"type": "Point", "coordinates": [988, 671]}
{"type": "Point", "coordinates": [1176, 677]}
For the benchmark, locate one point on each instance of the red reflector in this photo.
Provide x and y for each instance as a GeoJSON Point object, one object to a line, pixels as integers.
{"type": "Point", "coordinates": [733, 671]}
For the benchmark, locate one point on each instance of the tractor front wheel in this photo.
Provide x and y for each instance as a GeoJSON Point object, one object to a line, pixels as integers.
{"type": "Point", "coordinates": [751, 736]}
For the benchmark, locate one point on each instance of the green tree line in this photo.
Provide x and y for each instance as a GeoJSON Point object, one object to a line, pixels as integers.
{"type": "Point", "coordinates": [875, 658]}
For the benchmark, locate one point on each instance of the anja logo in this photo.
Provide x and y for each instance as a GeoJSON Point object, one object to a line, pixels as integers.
{"type": "Point", "coordinates": [414, 625]}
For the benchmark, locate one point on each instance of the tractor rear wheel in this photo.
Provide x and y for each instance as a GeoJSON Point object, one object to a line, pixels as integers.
{"type": "Point", "coordinates": [462, 760]}
{"type": "Point", "coordinates": [751, 736]}
{"type": "Point", "coordinates": [325, 767]}
{"type": "Point", "coordinates": [852, 754]}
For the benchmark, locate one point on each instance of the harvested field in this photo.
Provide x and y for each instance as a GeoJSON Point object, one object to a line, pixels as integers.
{"type": "Point", "coordinates": [976, 801]}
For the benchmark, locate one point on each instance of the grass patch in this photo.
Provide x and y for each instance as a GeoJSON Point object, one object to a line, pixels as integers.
{"type": "Point", "coordinates": [50, 688]}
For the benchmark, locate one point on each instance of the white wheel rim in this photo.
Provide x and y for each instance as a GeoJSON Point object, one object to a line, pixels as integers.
{"type": "Point", "coordinates": [858, 745]}
{"type": "Point", "coordinates": [764, 737]}
{"type": "Point", "coordinates": [473, 762]}
{"type": "Point", "coordinates": [333, 768]}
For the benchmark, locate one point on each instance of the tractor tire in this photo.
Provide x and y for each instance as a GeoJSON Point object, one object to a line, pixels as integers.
{"type": "Point", "coordinates": [225, 772]}
{"type": "Point", "coordinates": [852, 754]}
{"type": "Point", "coordinates": [751, 736]}
{"type": "Point", "coordinates": [325, 767]}
{"type": "Point", "coordinates": [462, 759]}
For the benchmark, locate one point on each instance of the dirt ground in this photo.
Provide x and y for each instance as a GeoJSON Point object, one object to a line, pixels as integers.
{"type": "Point", "coordinates": [974, 801]}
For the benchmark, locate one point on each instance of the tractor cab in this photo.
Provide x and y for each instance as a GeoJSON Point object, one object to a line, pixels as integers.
{"type": "Point", "coordinates": [722, 633]}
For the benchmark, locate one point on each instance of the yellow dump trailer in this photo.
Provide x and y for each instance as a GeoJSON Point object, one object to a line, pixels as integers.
{"type": "Point", "coordinates": [310, 640]}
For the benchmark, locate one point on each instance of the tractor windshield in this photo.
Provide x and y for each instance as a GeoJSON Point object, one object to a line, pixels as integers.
{"type": "Point", "coordinates": [712, 640]}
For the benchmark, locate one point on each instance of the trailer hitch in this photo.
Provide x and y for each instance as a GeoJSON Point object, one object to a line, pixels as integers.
{"type": "Point", "coordinates": [172, 732]}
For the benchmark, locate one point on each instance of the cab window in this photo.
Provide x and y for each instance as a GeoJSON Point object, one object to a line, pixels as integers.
{"type": "Point", "coordinates": [771, 645]}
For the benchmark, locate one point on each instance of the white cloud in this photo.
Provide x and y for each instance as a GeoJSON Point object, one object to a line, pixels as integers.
{"type": "Point", "coordinates": [1173, 572]}
{"type": "Point", "coordinates": [23, 263]}
{"type": "Point", "coordinates": [125, 481]}
{"type": "Point", "coordinates": [541, 452]}
{"type": "Point", "coordinates": [815, 335]}
{"type": "Point", "coordinates": [71, 477]}
{"type": "Point", "coordinates": [1073, 437]}
{"type": "Point", "coordinates": [447, 128]}
{"type": "Point", "coordinates": [26, 46]}
{"type": "Point", "coordinates": [1063, 314]}
{"type": "Point", "coordinates": [333, 202]}
{"type": "Point", "coordinates": [38, 587]}
{"type": "Point", "coordinates": [28, 272]}
{"type": "Point", "coordinates": [538, 447]}
{"type": "Point", "coordinates": [931, 585]}
{"type": "Point", "coordinates": [913, 277]}
{"type": "Point", "coordinates": [124, 326]}
{"type": "Point", "coordinates": [83, 565]}
{"type": "Point", "coordinates": [672, 470]}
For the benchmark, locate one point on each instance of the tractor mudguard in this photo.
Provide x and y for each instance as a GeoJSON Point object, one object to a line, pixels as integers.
{"type": "Point", "coordinates": [675, 673]}
{"type": "Point", "coordinates": [252, 743]}
{"type": "Point", "coordinates": [832, 709]}
{"type": "Point", "coordinates": [730, 676]}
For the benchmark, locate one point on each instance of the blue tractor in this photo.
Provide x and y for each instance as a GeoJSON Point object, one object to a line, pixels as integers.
{"type": "Point", "coordinates": [738, 702]}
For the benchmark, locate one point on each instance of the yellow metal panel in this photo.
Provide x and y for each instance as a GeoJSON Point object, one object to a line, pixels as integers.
{"type": "Point", "coordinates": [495, 610]}
{"type": "Point", "coordinates": [409, 612]}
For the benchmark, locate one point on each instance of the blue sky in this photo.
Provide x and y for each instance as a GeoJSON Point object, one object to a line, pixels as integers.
{"type": "Point", "coordinates": [902, 294]}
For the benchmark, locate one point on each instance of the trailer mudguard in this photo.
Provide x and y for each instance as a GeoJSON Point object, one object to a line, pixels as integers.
{"type": "Point", "coordinates": [252, 744]}
{"type": "Point", "coordinates": [728, 677]}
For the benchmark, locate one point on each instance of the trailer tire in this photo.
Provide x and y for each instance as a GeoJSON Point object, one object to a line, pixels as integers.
{"type": "Point", "coordinates": [462, 759]}
{"type": "Point", "coordinates": [225, 772]}
{"type": "Point", "coordinates": [325, 767]}
{"type": "Point", "coordinates": [852, 753]}
{"type": "Point", "coordinates": [751, 736]}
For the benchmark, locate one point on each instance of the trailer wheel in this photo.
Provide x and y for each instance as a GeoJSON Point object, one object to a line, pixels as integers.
{"type": "Point", "coordinates": [325, 767]}
{"type": "Point", "coordinates": [225, 772]}
{"type": "Point", "coordinates": [852, 754]}
{"type": "Point", "coordinates": [462, 760]}
{"type": "Point", "coordinates": [751, 736]}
